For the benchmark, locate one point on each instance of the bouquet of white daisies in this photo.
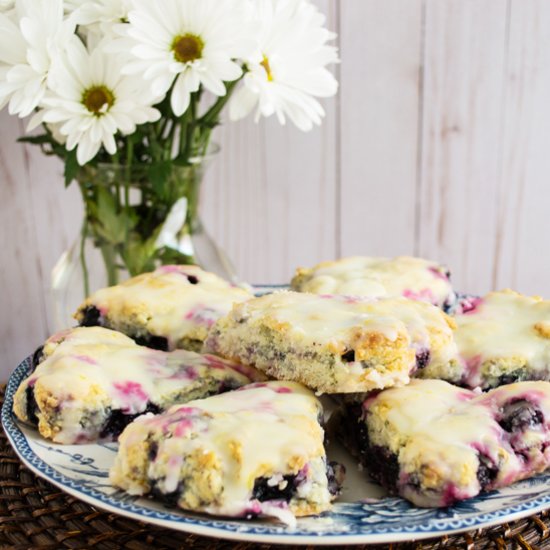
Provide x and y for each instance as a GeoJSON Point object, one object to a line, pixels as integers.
{"type": "Point", "coordinates": [147, 80]}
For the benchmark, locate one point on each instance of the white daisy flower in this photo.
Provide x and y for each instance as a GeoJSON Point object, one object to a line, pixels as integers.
{"type": "Point", "coordinates": [289, 70]}
{"type": "Point", "coordinates": [71, 5]}
{"type": "Point", "coordinates": [187, 43]}
{"type": "Point", "coordinates": [27, 46]}
{"type": "Point", "coordinates": [96, 18]}
{"type": "Point", "coordinates": [92, 100]}
{"type": "Point", "coordinates": [6, 5]}
{"type": "Point", "coordinates": [12, 51]}
{"type": "Point", "coordinates": [102, 11]}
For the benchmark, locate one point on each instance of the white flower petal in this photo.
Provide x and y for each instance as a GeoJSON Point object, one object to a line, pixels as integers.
{"type": "Point", "coordinates": [86, 150]}
{"type": "Point", "coordinates": [242, 103]}
{"type": "Point", "coordinates": [181, 93]}
{"type": "Point", "coordinates": [213, 84]}
{"type": "Point", "coordinates": [109, 143]}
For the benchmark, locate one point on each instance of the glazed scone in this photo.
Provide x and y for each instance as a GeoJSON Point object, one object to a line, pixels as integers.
{"type": "Point", "coordinates": [406, 276]}
{"type": "Point", "coordinates": [256, 451]}
{"type": "Point", "coordinates": [90, 382]}
{"type": "Point", "coordinates": [172, 307]}
{"type": "Point", "coordinates": [334, 344]}
{"type": "Point", "coordinates": [501, 338]}
{"type": "Point", "coordinates": [435, 444]}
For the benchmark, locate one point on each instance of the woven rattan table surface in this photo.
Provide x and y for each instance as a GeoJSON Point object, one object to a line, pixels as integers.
{"type": "Point", "coordinates": [35, 514]}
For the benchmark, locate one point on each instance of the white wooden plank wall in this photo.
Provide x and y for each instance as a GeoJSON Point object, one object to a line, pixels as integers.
{"type": "Point", "coordinates": [438, 144]}
{"type": "Point", "coordinates": [461, 125]}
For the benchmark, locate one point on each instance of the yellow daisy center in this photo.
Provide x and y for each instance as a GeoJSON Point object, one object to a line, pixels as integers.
{"type": "Point", "coordinates": [98, 99]}
{"type": "Point", "coordinates": [187, 47]}
{"type": "Point", "coordinates": [265, 65]}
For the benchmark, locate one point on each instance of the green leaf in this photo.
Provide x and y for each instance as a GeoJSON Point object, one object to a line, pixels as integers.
{"type": "Point", "coordinates": [158, 173]}
{"type": "Point", "coordinates": [110, 222]}
{"type": "Point", "coordinates": [171, 256]}
{"type": "Point", "coordinates": [71, 167]}
{"type": "Point", "coordinates": [36, 140]}
{"type": "Point", "coordinates": [139, 254]}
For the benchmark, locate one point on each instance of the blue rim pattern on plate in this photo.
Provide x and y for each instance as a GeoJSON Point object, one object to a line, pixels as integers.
{"type": "Point", "coordinates": [386, 520]}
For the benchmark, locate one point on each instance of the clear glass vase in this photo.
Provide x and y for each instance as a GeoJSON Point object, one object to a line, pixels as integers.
{"type": "Point", "coordinates": [136, 218]}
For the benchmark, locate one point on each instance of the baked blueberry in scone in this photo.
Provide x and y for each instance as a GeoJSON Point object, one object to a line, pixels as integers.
{"type": "Point", "coordinates": [501, 338]}
{"type": "Point", "coordinates": [406, 276]}
{"type": "Point", "coordinates": [91, 382]}
{"type": "Point", "coordinates": [172, 307]}
{"type": "Point", "coordinates": [435, 444]}
{"type": "Point", "coordinates": [256, 451]}
{"type": "Point", "coordinates": [335, 344]}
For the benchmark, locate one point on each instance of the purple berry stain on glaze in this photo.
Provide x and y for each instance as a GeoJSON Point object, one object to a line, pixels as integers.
{"type": "Point", "coordinates": [439, 273]}
{"type": "Point", "coordinates": [171, 269]}
{"type": "Point", "coordinates": [470, 305]}
{"type": "Point", "coordinates": [452, 494]}
{"type": "Point", "coordinates": [249, 372]}
{"type": "Point", "coordinates": [183, 428]}
{"type": "Point", "coordinates": [253, 509]}
{"type": "Point", "coordinates": [203, 315]}
{"type": "Point", "coordinates": [253, 386]}
{"type": "Point", "coordinates": [185, 372]}
{"type": "Point", "coordinates": [369, 401]}
{"type": "Point", "coordinates": [60, 336]}
{"type": "Point", "coordinates": [424, 295]}
{"type": "Point", "coordinates": [132, 396]}
{"type": "Point", "coordinates": [473, 368]}
{"type": "Point", "coordinates": [86, 359]}
{"type": "Point", "coordinates": [157, 359]}
{"type": "Point", "coordinates": [215, 362]}
{"type": "Point", "coordinates": [188, 410]}
{"type": "Point", "coordinates": [465, 395]}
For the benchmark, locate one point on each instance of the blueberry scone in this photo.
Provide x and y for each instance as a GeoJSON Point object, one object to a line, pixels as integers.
{"type": "Point", "coordinates": [256, 451]}
{"type": "Point", "coordinates": [90, 382]}
{"type": "Point", "coordinates": [335, 344]}
{"type": "Point", "coordinates": [435, 444]}
{"type": "Point", "coordinates": [172, 307]}
{"type": "Point", "coordinates": [406, 276]}
{"type": "Point", "coordinates": [501, 338]}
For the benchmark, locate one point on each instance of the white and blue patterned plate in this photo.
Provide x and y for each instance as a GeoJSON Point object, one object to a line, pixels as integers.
{"type": "Point", "coordinates": [362, 515]}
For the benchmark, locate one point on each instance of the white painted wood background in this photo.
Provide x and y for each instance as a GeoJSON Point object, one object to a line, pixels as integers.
{"type": "Point", "coordinates": [438, 145]}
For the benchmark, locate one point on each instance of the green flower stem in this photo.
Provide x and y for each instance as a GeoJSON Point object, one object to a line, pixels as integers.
{"type": "Point", "coordinates": [204, 141]}
{"type": "Point", "coordinates": [210, 118]}
{"type": "Point", "coordinates": [183, 134]}
{"type": "Point", "coordinates": [109, 258]}
{"type": "Point", "coordinates": [83, 264]}
{"type": "Point", "coordinates": [190, 128]}
{"type": "Point", "coordinates": [193, 191]}
{"type": "Point", "coordinates": [127, 181]}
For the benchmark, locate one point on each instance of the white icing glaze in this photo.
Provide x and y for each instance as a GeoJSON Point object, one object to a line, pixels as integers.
{"type": "Point", "coordinates": [262, 430]}
{"type": "Point", "coordinates": [508, 330]}
{"type": "Point", "coordinates": [438, 430]}
{"type": "Point", "coordinates": [413, 278]}
{"type": "Point", "coordinates": [337, 320]}
{"type": "Point", "coordinates": [167, 304]}
{"type": "Point", "coordinates": [89, 363]}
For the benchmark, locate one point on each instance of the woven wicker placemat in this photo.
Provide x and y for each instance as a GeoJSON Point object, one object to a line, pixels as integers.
{"type": "Point", "coordinates": [35, 514]}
